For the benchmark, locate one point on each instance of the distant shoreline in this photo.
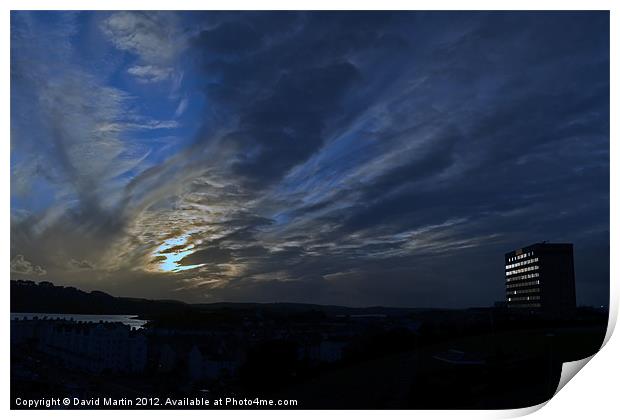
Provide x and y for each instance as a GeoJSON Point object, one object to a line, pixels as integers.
{"type": "Point", "coordinates": [127, 319]}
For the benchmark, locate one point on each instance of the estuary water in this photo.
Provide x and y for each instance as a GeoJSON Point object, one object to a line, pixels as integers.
{"type": "Point", "coordinates": [130, 320]}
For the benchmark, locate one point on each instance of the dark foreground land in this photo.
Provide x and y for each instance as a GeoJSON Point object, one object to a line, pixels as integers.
{"type": "Point", "coordinates": [319, 357]}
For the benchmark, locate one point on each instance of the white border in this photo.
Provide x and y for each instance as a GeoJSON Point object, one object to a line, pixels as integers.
{"type": "Point", "coordinates": [593, 394]}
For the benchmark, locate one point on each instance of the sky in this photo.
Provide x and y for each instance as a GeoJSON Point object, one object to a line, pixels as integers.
{"type": "Point", "coordinates": [350, 158]}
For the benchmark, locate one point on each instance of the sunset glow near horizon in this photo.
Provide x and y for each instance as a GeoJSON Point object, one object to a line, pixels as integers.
{"type": "Point", "coordinates": [355, 158]}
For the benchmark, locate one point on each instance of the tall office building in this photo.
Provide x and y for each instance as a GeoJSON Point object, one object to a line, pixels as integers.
{"type": "Point", "coordinates": [541, 276]}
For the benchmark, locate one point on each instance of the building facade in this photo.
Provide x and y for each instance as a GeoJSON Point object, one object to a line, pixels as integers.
{"type": "Point", "coordinates": [87, 346]}
{"type": "Point", "coordinates": [541, 276]}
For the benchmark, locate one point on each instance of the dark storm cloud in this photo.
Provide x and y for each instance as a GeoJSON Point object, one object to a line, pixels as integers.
{"type": "Point", "coordinates": [510, 107]}
{"type": "Point", "coordinates": [286, 84]}
{"type": "Point", "coordinates": [210, 255]}
{"type": "Point", "coordinates": [231, 38]}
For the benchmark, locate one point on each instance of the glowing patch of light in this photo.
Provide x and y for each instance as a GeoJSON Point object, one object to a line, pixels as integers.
{"type": "Point", "coordinates": [171, 261]}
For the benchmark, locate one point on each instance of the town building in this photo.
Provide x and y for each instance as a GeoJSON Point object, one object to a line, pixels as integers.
{"type": "Point", "coordinates": [542, 277]}
{"type": "Point", "coordinates": [88, 346]}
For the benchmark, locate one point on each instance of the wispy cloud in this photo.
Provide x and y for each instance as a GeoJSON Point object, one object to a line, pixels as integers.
{"type": "Point", "coordinates": [155, 38]}
{"type": "Point", "coordinates": [150, 73]}
{"type": "Point", "coordinates": [20, 265]}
